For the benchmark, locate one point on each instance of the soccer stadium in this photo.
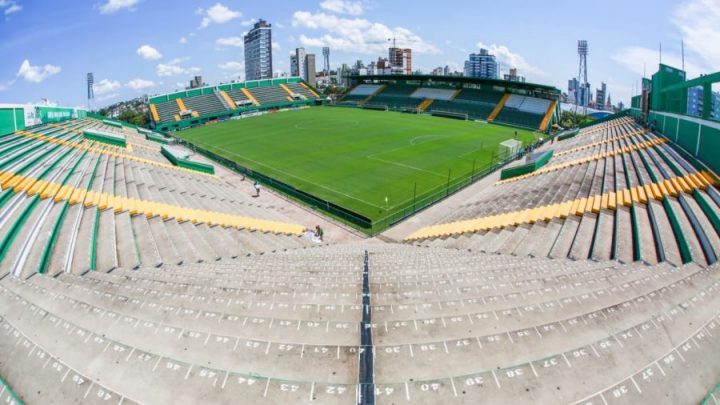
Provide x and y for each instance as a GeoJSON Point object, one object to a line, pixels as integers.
{"type": "Point", "coordinates": [417, 239]}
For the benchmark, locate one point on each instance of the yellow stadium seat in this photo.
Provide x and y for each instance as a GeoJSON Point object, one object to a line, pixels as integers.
{"type": "Point", "coordinates": [685, 185]}
{"type": "Point", "coordinates": [696, 182]}
{"type": "Point", "coordinates": [604, 201]}
{"type": "Point", "coordinates": [670, 187]}
{"type": "Point", "coordinates": [574, 207]}
{"type": "Point", "coordinates": [102, 202]}
{"type": "Point", "coordinates": [597, 203]}
{"type": "Point", "coordinates": [612, 201]}
{"type": "Point", "coordinates": [627, 198]}
{"type": "Point", "coordinates": [582, 207]}
{"type": "Point", "coordinates": [657, 192]}
{"type": "Point", "coordinates": [709, 178]}
{"type": "Point", "coordinates": [642, 195]}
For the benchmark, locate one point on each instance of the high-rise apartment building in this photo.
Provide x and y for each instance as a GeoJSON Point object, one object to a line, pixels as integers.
{"type": "Point", "coordinates": [400, 60]}
{"type": "Point", "coordinates": [258, 52]}
{"type": "Point", "coordinates": [600, 95]}
{"type": "Point", "coordinates": [302, 65]}
{"type": "Point", "coordinates": [481, 65]}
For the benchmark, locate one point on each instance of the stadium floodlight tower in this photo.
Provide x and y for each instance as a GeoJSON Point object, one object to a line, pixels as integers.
{"type": "Point", "coordinates": [90, 90]}
{"type": "Point", "coordinates": [582, 76]}
{"type": "Point", "coordinates": [326, 60]}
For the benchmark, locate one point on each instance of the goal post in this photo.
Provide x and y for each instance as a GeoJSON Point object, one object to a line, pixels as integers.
{"type": "Point", "coordinates": [449, 114]}
{"type": "Point", "coordinates": [378, 107]}
{"type": "Point", "coordinates": [509, 148]}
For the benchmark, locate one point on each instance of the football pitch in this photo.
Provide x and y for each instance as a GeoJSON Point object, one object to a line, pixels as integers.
{"type": "Point", "coordinates": [368, 162]}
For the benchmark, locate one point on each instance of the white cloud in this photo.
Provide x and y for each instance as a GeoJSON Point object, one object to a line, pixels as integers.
{"type": "Point", "coordinates": [173, 68]}
{"type": "Point", "coordinates": [105, 87]}
{"type": "Point", "coordinates": [14, 8]}
{"type": "Point", "coordinates": [116, 5]}
{"type": "Point", "coordinates": [280, 25]}
{"type": "Point", "coordinates": [356, 35]}
{"type": "Point", "coordinates": [230, 41]}
{"type": "Point", "coordinates": [343, 6]}
{"type": "Point", "coordinates": [37, 74]}
{"type": "Point", "coordinates": [149, 53]}
{"type": "Point", "coordinates": [10, 7]}
{"type": "Point", "coordinates": [140, 84]}
{"type": "Point", "coordinates": [183, 40]}
{"type": "Point", "coordinates": [247, 23]}
{"type": "Point", "coordinates": [6, 85]}
{"type": "Point", "coordinates": [507, 59]}
{"type": "Point", "coordinates": [107, 97]}
{"type": "Point", "coordinates": [217, 14]}
{"type": "Point", "coordinates": [233, 66]}
{"type": "Point", "coordinates": [641, 60]}
{"type": "Point", "coordinates": [164, 70]}
{"type": "Point", "coordinates": [698, 22]}
{"type": "Point", "coordinates": [276, 46]}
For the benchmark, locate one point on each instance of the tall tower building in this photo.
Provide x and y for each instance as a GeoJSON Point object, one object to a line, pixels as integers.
{"type": "Point", "coordinates": [300, 62]}
{"type": "Point", "coordinates": [258, 52]}
{"type": "Point", "coordinates": [582, 73]}
{"type": "Point", "coordinates": [600, 95]}
{"type": "Point", "coordinates": [303, 65]}
{"type": "Point", "coordinates": [90, 90]}
{"type": "Point", "coordinates": [326, 60]}
{"type": "Point", "coordinates": [310, 69]}
{"type": "Point", "coordinates": [481, 65]}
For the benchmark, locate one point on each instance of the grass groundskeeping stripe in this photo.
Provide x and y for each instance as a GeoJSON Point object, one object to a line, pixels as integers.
{"type": "Point", "coordinates": [369, 168]}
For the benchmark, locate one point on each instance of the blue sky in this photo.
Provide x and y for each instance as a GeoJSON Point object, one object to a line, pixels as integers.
{"type": "Point", "coordinates": [137, 47]}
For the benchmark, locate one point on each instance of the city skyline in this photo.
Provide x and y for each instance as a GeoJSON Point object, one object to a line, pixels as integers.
{"type": "Point", "coordinates": [122, 44]}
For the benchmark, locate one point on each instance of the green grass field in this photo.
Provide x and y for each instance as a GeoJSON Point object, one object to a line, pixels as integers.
{"type": "Point", "coordinates": [356, 158]}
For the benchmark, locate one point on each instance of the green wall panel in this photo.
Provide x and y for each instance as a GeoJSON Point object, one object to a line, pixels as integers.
{"type": "Point", "coordinates": [54, 114]}
{"type": "Point", "coordinates": [670, 127]}
{"type": "Point", "coordinates": [688, 135]}
{"type": "Point", "coordinates": [11, 119]}
{"type": "Point", "coordinates": [709, 147]}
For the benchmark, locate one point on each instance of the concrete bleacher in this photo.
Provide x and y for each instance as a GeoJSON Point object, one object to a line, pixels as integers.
{"type": "Point", "coordinates": [396, 97]}
{"type": "Point", "coordinates": [72, 206]}
{"type": "Point", "coordinates": [298, 88]}
{"type": "Point", "coordinates": [360, 93]}
{"type": "Point", "coordinates": [617, 193]}
{"type": "Point", "coordinates": [269, 94]}
{"type": "Point", "coordinates": [211, 103]}
{"type": "Point", "coordinates": [205, 104]}
{"type": "Point", "coordinates": [434, 93]}
{"type": "Point", "coordinates": [557, 304]}
{"type": "Point", "coordinates": [523, 111]}
{"type": "Point", "coordinates": [167, 110]}
{"type": "Point", "coordinates": [447, 325]}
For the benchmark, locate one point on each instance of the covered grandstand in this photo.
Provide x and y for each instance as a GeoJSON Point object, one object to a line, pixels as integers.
{"type": "Point", "coordinates": [520, 104]}
{"type": "Point", "coordinates": [183, 109]}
